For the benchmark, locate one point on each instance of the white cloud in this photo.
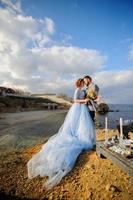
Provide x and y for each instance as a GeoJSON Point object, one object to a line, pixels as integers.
{"type": "Point", "coordinates": [20, 31]}
{"type": "Point", "coordinates": [116, 86]}
{"type": "Point", "coordinates": [72, 60]}
{"type": "Point", "coordinates": [27, 61]}
{"type": "Point", "coordinates": [18, 34]}
{"type": "Point", "coordinates": [30, 60]}
{"type": "Point", "coordinates": [50, 25]}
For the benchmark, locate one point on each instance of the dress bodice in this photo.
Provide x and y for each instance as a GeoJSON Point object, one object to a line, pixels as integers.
{"type": "Point", "coordinates": [79, 94]}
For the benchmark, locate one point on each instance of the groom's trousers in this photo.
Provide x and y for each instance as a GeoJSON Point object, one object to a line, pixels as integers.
{"type": "Point", "coordinates": [92, 114]}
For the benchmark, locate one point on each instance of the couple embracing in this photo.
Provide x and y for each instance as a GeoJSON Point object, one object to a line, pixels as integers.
{"type": "Point", "coordinates": [58, 155]}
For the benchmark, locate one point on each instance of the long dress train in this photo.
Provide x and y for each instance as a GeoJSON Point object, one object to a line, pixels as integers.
{"type": "Point", "coordinates": [57, 157]}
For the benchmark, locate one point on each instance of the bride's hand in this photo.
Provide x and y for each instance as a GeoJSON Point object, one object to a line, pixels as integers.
{"type": "Point", "coordinates": [86, 101]}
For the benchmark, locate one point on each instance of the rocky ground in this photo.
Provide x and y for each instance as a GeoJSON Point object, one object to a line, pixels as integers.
{"type": "Point", "coordinates": [92, 178]}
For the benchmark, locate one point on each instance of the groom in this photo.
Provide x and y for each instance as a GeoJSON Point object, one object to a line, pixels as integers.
{"type": "Point", "coordinates": [91, 86]}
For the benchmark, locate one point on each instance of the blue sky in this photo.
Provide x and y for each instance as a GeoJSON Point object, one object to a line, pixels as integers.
{"type": "Point", "coordinates": [47, 44]}
{"type": "Point", "coordinates": [99, 24]}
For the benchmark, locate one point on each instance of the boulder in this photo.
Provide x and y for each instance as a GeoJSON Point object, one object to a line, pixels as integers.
{"type": "Point", "coordinates": [103, 108]}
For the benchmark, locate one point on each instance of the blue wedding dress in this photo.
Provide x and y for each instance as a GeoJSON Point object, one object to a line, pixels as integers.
{"type": "Point", "coordinates": [58, 155]}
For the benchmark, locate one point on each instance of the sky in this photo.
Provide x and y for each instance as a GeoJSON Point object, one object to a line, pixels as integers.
{"type": "Point", "coordinates": [45, 45]}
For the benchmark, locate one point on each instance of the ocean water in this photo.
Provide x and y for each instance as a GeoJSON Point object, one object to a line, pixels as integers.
{"type": "Point", "coordinates": [125, 111]}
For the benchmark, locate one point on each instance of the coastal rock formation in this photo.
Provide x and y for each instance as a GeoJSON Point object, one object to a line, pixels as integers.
{"type": "Point", "coordinates": [103, 108]}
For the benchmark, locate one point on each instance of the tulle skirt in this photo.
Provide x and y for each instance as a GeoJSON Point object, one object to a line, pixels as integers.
{"type": "Point", "coordinates": [57, 157]}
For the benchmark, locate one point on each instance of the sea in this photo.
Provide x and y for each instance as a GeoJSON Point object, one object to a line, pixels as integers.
{"type": "Point", "coordinates": [124, 111]}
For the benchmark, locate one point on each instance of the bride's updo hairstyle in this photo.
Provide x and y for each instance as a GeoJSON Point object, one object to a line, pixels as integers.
{"type": "Point", "coordinates": [79, 82]}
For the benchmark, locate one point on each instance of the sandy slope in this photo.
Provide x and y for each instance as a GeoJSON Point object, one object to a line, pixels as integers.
{"type": "Point", "coordinates": [92, 178]}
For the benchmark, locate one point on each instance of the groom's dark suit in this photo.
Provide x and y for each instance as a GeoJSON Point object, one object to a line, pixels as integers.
{"type": "Point", "coordinates": [91, 105]}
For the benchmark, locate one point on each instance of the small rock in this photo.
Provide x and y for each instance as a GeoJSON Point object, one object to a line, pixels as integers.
{"type": "Point", "coordinates": [112, 196]}
{"type": "Point", "coordinates": [13, 190]}
{"type": "Point", "coordinates": [17, 162]}
{"type": "Point", "coordinates": [50, 197]}
{"type": "Point", "coordinates": [1, 189]}
{"type": "Point", "coordinates": [126, 178]}
{"type": "Point", "coordinates": [111, 188]}
{"type": "Point", "coordinates": [89, 195]}
{"type": "Point", "coordinates": [101, 175]}
{"type": "Point", "coordinates": [93, 166]}
{"type": "Point", "coordinates": [108, 187]}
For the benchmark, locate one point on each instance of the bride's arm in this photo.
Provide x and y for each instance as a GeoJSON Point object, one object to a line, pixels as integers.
{"type": "Point", "coordinates": [80, 100]}
{"type": "Point", "coordinates": [77, 99]}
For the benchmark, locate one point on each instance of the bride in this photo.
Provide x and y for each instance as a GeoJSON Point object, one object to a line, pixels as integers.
{"type": "Point", "coordinates": [58, 156]}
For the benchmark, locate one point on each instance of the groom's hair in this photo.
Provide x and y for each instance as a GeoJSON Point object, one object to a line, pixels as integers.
{"type": "Point", "coordinates": [88, 77]}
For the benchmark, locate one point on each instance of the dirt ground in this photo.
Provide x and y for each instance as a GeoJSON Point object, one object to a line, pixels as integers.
{"type": "Point", "coordinates": [92, 178]}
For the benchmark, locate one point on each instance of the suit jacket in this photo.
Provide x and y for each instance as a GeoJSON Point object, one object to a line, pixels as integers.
{"type": "Point", "coordinates": [93, 90]}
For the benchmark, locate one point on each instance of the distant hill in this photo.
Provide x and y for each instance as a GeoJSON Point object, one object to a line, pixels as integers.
{"type": "Point", "coordinates": [12, 102]}
{"type": "Point", "coordinates": [53, 97]}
